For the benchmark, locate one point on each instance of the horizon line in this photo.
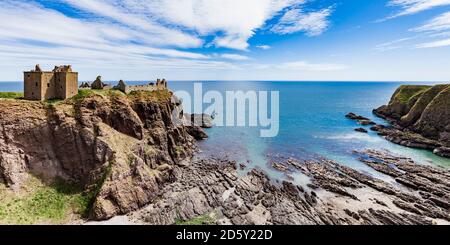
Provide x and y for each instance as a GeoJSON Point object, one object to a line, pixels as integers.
{"type": "Point", "coordinates": [243, 80]}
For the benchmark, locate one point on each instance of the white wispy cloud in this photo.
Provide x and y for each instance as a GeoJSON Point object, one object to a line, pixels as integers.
{"type": "Point", "coordinates": [295, 20]}
{"type": "Point", "coordinates": [232, 22]}
{"type": "Point", "coordinates": [234, 57]}
{"type": "Point", "coordinates": [136, 34]}
{"type": "Point", "coordinates": [438, 24]}
{"type": "Point", "coordinates": [263, 47]}
{"type": "Point", "coordinates": [142, 23]}
{"type": "Point", "coordinates": [396, 44]}
{"type": "Point", "coordinates": [409, 7]}
{"type": "Point", "coordinates": [306, 66]}
{"type": "Point", "coordinates": [430, 34]}
{"type": "Point", "coordinates": [435, 44]}
{"type": "Point", "coordinates": [34, 34]}
{"type": "Point", "coordinates": [438, 27]}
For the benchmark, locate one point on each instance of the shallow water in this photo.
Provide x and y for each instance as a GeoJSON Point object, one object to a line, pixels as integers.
{"type": "Point", "coordinates": [312, 123]}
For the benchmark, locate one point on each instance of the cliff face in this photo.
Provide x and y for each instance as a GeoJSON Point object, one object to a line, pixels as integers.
{"type": "Point", "coordinates": [421, 109]}
{"type": "Point", "coordinates": [120, 148]}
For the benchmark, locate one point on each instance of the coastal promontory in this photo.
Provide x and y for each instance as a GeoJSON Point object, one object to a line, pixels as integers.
{"type": "Point", "coordinates": [420, 116]}
{"type": "Point", "coordinates": [119, 150]}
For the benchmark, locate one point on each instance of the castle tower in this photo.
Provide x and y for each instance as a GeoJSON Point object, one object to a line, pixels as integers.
{"type": "Point", "coordinates": [61, 83]}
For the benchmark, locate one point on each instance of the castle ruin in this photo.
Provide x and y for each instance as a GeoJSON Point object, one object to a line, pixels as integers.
{"type": "Point", "coordinates": [160, 85]}
{"type": "Point", "coordinates": [61, 83]}
{"type": "Point", "coordinates": [99, 85]}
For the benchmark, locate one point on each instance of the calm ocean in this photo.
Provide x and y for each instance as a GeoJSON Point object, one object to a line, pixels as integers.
{"type": "Point", "coordinates": [312, 123]}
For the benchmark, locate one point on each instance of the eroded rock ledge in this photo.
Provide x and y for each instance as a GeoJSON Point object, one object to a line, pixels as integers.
{"type": "Point", "coordinates": [332, 194]}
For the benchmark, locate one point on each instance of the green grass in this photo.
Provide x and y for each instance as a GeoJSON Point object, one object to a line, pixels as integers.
{"type": "Point", "coordinates": [407, 92]}
{"type": "Point", "coordinates": [179, 150]}
{"type": "Point", "coordinates": [205, 219]}
{"type": "Point", "coordinates": [50, 204]}
{"type": "Point", "coordinates": [11, 95]}
{"type": "Point", "coordinates": [158, 96]}
{"type": "Point", "coordinates": [84, 93]}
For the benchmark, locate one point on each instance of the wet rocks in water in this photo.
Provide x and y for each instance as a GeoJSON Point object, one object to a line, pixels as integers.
{"type": "Point", "coordinates": [403, 136]}
{"type": "Point", "coordinates": [196, 123]}
{"type": "Point", "coordinates": [432, 184]}
{"type": "Point", "coordinates": [360, 119]}
{"type": "Point", "coordinates": [407, 138]}
{"type": "Point", "coordinates": [200, 120]}
{"type": "Point", "coordinates": [442, 151]}
{"type": "Point", "coordinates": [353, 116]}
{"type": "Point", "coordinates": [366, 122]}
{"type": "Point", "coordinates": [197, 132]}
{"type": "Point", "coordinates": [361, 130]}
{"type": "Point", "coordinates": [378, 128]}
{"type": "Point", "coordinates": [280, 167]}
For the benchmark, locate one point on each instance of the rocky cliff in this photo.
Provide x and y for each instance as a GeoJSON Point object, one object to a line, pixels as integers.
{"type": "Point", "coordinates": [120, 148]}
{"type": "Point", "coordinates": [421, 111]}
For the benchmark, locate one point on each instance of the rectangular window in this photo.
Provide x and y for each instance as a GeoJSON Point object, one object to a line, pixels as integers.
{"type": "Point", "coordinates": [48, 85]}
{"type": "Point", "coordinates": [36, 84]}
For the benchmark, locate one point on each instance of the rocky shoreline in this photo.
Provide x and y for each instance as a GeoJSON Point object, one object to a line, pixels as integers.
{"type": "Point", "coordinates": [210, 191]}
{"type": "Point", "coordinates": [400, 135]}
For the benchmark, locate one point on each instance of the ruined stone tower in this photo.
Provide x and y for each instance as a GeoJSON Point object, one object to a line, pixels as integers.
{"type": "Point", "coordinates": [61, 83]}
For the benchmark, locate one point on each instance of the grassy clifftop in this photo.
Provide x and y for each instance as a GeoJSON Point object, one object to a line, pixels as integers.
{"type": "Point", "coordinates": [406, 93]}
{"type": "Point", "coordinates": [404, 99]}
{"type": "Point", "coordinates": [424, 109]}
{"type": "Point", "coordinates": [160, 95]}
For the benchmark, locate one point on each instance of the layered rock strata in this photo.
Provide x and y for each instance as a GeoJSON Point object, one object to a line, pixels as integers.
{"type": "Point", "coordinates": [121, 148]}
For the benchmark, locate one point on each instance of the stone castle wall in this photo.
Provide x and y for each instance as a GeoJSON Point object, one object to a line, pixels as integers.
{"type": "Point", "coordinates": [160, 85]}
{"type": "Point", "coordinates": [61, 83]}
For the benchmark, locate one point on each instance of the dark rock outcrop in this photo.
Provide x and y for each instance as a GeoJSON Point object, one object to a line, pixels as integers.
{"type": "Point", "coordinates": [361, 120]}
{"type": "Point", "coordinates": [353, 116]}
{"type": "Point", "coordinates": [195, 123]}
{"type": "Point", "coordinates": [200, 120]}
{"type": "Point", "coordinates": [197, 132]}
{"type": "Point", "coordinates": [442, 151]}
{"type": "Point", "coordinates": [361, 130]}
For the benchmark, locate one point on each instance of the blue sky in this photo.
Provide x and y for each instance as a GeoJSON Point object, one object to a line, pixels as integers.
{"type": "Point", "coordinates": [346, 40]}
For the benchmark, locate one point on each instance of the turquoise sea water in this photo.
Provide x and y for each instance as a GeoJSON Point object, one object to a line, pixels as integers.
{"type": "Point", "coordinates": [312, 123]}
